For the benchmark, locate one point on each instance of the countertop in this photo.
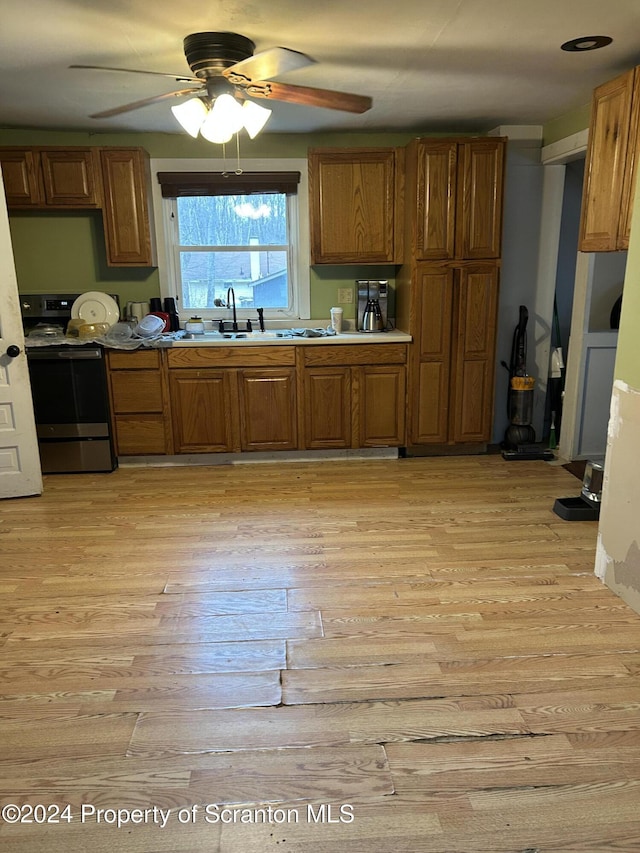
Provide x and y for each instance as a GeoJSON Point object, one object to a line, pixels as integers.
{"type": "Point", "coordinates": [270, 338]}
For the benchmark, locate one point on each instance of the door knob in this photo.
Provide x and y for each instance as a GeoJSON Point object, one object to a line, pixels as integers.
{"type": "Point", "coordinates": [13, 351]}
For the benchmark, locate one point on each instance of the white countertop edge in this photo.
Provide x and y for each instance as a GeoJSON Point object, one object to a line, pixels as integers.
{"type": "Point", "coordinates": [255, 339]}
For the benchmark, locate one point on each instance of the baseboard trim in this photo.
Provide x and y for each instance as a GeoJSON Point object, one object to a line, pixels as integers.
{"type": "Point", "coordinates": [190, 459]}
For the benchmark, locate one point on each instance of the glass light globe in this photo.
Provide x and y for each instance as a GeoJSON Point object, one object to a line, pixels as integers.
{"type": "Point", "coordinates": [190, 115]}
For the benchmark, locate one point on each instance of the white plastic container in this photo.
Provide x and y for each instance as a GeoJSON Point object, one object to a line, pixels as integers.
{"type": "Point", "coordinates": [336, 320]}
{"type": "Point", "coordinates": [195, 325]}
{"type": "Point", "coordinates": [150, 326]}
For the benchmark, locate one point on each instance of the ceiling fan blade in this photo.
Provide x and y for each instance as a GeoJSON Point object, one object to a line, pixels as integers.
{"type": "Point", "coordinates": [309, 97]}
{"type": "Point", "coordinates": [179, 78]}
{"type": "Point", "coordinates": [267, 64]}
{"type": "Point", "coordinates": [196, 93]}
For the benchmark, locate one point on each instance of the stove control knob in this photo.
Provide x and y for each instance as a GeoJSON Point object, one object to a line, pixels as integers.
{"type": "Point", "coordinates": [13, 351]}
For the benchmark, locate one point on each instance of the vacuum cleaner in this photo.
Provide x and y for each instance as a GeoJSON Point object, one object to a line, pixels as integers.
{"type": "Point", "coordinates": [520, 436]}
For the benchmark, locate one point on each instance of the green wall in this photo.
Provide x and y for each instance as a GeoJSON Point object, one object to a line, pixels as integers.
{"type": "Point", "coordinates": [566, 125]}
{"type": "Point", "coordinates": [65, 253]}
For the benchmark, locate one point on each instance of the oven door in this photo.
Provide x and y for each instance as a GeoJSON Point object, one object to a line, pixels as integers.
{"type": "Point", "coordinates": [71, 404]}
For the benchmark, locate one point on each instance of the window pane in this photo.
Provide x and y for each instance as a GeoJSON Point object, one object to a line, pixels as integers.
{"type": "Point", "coordinates": [259, 279]}
{"type": "Point", "coordinates": [233, 220]}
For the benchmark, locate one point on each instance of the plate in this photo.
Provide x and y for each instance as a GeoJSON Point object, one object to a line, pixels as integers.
{"type": "Point", "coordinates": [96, 307]}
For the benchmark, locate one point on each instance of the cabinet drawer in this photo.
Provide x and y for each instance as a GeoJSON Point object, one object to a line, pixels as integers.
{"type": "Point", "coordinates": [140, 434]}
{"type": "Point", "coordinates": [136, 360]}
{"type": "Point", "coordinates": [240, 356]}
{"type": "Point", "coordinates": [138, 391]}
{"type": "Point", "coordinates": [354, 355]}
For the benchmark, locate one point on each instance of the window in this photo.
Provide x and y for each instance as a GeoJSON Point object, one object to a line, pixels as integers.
{"type": "Point", "coordinates": [233, 241]}
{"type": "Point", "coordinates": [237, 231]}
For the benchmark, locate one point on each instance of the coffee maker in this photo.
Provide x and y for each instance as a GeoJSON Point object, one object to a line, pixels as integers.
{"type": "Point", "coordinates": [372, 306]}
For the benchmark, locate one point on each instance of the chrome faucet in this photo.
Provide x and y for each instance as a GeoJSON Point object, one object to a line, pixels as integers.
{"type": "Point", "coordinates": [231, 303]}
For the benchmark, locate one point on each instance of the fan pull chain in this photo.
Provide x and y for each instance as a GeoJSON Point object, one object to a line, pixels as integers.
{"type": "Point", "coordinates": [238, 170]}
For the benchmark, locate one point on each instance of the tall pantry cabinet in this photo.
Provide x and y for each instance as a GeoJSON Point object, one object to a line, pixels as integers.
{"type": "Point", "coordinates": [447, 288]}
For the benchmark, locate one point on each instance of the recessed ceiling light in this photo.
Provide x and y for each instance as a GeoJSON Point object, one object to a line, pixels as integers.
{"type": "Point", "coordinates": [586, 43]}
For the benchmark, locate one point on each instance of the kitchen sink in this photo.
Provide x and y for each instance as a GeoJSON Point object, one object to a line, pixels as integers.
{"type": "Point", "coordinates": [233, 336]}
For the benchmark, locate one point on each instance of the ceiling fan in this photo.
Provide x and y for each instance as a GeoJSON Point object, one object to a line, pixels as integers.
{"type": "Point", "coordinates": [225, 63]}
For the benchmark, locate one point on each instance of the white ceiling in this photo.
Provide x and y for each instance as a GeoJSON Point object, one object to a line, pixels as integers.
{"type": "Point", "coordinates": [429, 65]}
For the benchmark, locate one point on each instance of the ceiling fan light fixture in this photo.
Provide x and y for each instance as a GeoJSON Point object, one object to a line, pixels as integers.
{"type": "Point", "coordinates": [214, 132]}
{"type": "Point", "coordinates": [228, 112]}
{"type": "Point", "coordinates": [190, 115]}
{"type": "Point", "coordinates": [224, 119]}
{"type": "Point", "coordinates": [255, 117]}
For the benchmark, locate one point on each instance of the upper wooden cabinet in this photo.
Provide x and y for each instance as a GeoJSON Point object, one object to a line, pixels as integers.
{"type": "Point", "coordinates": [114, 179]}
{"type": "Point", "coordinates": [459, 186]}
{"type": "Point", "coordinates": [355, 205]}
{"type": "Point", "coordinates": [71, 177]}
{"type": "Point", "coordinates": [607, 197]}
{"type": "Point", "coordinates": [126, 208]}
{"type": "Point", "coordinates": [51, 177]}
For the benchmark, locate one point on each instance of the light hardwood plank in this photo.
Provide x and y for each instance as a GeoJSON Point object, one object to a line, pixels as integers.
{"type": "Point", "coordinates": [323, 725]}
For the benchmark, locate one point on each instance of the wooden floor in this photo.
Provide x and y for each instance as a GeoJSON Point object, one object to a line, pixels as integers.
{"type": "Point", "coordinates": [349, 657]}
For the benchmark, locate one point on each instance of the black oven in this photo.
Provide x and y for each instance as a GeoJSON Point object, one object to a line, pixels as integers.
{"type": "Point", "coordinates": [70, 394]}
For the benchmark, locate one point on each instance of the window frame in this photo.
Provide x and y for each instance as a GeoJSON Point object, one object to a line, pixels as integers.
{"type": "Point", "coordinates": [297, 211]}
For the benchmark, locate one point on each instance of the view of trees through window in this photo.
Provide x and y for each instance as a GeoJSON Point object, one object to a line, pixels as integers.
{"type": "Point", "coordinates": [238, 241]}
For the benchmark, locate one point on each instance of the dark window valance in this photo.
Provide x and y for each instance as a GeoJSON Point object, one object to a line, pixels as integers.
{"type": "Point", "coordinates": [178, 184]}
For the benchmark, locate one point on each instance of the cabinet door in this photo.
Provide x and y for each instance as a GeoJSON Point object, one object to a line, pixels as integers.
{"type": "Point", "coordinates": [202, 407]}
{"type": "Point", "coordinates": [479, 203]}
{"type": "Point", "coordinates": [430, 367]}
{"type": "Point", "coordinates": [474, 332]}
{"type": "Point", "coordinates": [70, 177]}
{"type": "Point", "coordinates": [436, 200]}
{"type": "Point", "coordinates": [268, 408]}
{"type": "Point", "coordinates": [327, 407]}
{"type": "Point", "coordinates": [381, 405]}
{"type": "Point", "coordinates": [604, 171]}
{"type": "Point", "coordinates": [21, 177]}
{"type": "Point", "coordinates": [352, 199]}
{"type": "Point", "coordinates": [630, 168]}
{"type": "Point", "coordinates": [126, 212]}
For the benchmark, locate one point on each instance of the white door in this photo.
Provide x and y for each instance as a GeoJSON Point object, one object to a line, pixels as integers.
{"type": "Point", "coordinates": [20, 473]}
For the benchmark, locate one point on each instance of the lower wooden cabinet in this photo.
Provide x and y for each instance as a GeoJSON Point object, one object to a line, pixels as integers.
{"type": "Point", "coordinates": [382, 405]}
{"type": "Point", "coordinates": [327, 408]}
{"type": "Point", "coordinates": [139, 403]}
{"type": "Point", "coordinates": [453, 362]}
{"type": "Point", "coordinates": [202, 403]}
{"type": "Point", "coordinates": [354, 396]}
{"type": "Point", "coordinates": [268, 408]}
{"type": "Point", "coordinates": [233, 399]}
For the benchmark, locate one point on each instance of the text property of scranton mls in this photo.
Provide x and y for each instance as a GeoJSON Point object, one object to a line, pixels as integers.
{"type": "Point", "coordinates": [51, 814]}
